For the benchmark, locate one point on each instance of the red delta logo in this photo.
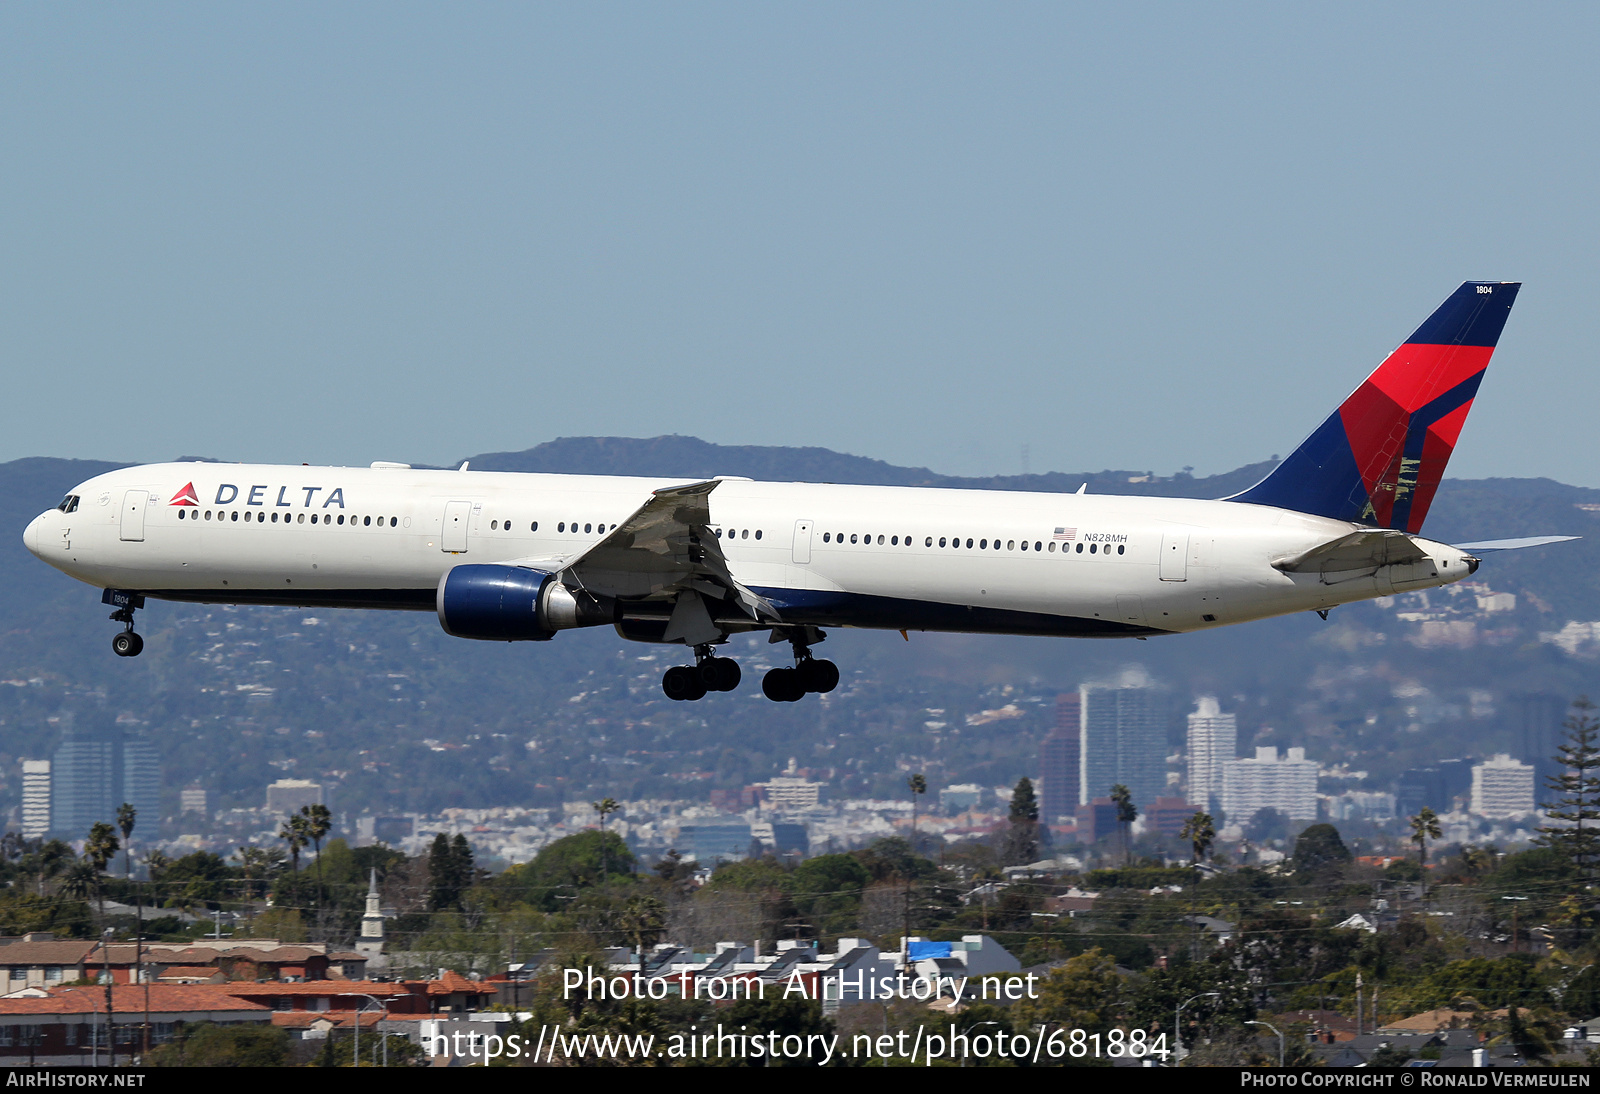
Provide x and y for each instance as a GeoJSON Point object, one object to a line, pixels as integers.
{"type": "Point", "coordinates": [186, 496]}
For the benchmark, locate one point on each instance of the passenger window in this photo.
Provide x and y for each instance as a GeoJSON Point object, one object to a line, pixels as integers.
{"type": "Point", "coordinates": [235, 516]}
{"type": "Point", "coordinates": [969, 544]}
{"type": "Point", "coordinates": [394, 521]}
{"type": "Point", "coordinates": [852, 537]}
{"type": "Point", "coordinates": [1080, 548]}
{"type": "Point", "coordinates": [534, 527]}
{"type": "Point", "coordinates": [941, 541]}
{"type": "Point", "coordinates": [494, 526]}
{"type": "Point", "coordinates": [180, 514]}
{"type": "Point", "coordinates": [1052, 546]}
{"type": "Point", "coordinates": [983, 545]}
{"type": "Point", "coordinates": [758, 533]}
{"type": "Point", "coordinates": [301, 519]}
{"type": "Point", "coordinates": [1024, 545]}
{"type": "Point", "coordinates": [880, 541]}
{"type": "Point", "coordinates": [366, 522]}
{"type": "Point", "coordinates": [826, 537]}
{"type": "Point", "coordinates": [1121, 548]}
{"type": "Point", "coordinates": [744, 534]}
{"type": "Point", "coordinates": [586, 529]}
{"type": "Point", "coordinates": [1093, 547]}
{"type": "Point", "coordinates": [894, 541]}
{"type": "Point", "coordinates": [1037, 546]}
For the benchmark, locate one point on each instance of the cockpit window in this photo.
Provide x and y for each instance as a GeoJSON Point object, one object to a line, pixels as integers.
{"type": "Point", "coordinates": [69, 504]}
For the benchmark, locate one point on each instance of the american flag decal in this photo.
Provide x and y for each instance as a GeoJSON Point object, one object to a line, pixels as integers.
{"type": "Point", "coordinates": [1066, 534]}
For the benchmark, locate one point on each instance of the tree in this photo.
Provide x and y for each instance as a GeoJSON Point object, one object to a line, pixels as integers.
{"type": "Point", "coordinates": [317, 823]}
{"type": "Point", "coordinates": [1319, 846]}
{"type": "Point", "coordinates": [293, 832]}
{"type": "Point", "coordinates": [1023, 833]}
{"type": "Point", "coordinates": [1576, 808]}
{"type": "Point", "coordinates": [1081, 994]}
{"type": "Point", "coordinates": [605, 807]}
{"type": "Point", "coordinates": [1424, 827]}
{"type": "Point", "coordinates": [1201, 832]}
{"type": "Point", "coordinates": [126, 815]}
{"type": "Point", "coordinates": [918, 784]}
{"type": "Point", "coordinates": [100, 848]}
{"type": "Point", "coordinates": [1127, 813]}
{"type": "Point", "coordinates": [450, 871]}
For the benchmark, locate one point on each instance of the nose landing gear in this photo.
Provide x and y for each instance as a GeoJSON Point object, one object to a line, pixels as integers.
{"type": "Point", "coordinates": [128, 643]}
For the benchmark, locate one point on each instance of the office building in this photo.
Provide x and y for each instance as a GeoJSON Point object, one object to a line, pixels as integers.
{"type": "Point", "coordinates": [1502, 788]}
{"type": "Point", "coordinates": [1287, 784]}
{"type": "Point", "coordinates": [1122, 740]}
{"type": "Point", "coordinates": [1213, 740]}
{"type": "Point", "coordinates": [94, 771]}
{"type": "Point", "coordinates": [288, 796]}
{"type": "Point", "coordinates": [1538, 728]}
{"type": "Point", "coordinates": [1058, 762]}
{"type": "Point", "coordinates": [35, 799]}
{"type": "Point", "coordinates": [1441, 787]}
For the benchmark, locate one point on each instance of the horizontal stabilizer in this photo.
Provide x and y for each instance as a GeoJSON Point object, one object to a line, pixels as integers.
{"type": "Point", "coordinates": [1357, 551]}
{"type": "Point", "coordinates": [1514, 544]}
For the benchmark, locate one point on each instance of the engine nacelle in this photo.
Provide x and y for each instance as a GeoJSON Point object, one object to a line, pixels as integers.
{"type": "Point", "coordinates": [513, 603]}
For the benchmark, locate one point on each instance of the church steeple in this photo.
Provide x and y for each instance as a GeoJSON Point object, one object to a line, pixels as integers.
{"type": "Point", "coordinates": [371, 942]}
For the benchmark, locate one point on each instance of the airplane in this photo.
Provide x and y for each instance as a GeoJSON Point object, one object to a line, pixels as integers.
{"type": "Point", "coordinates": [520, 557]}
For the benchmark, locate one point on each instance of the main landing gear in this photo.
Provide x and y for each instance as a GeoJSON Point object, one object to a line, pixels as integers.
{"type": "Point", "coordinates": [128, 643]}
{"type": "Point", "coordinates": [810, 675]}
{"type": "Point", "coordinates": [685, 683]}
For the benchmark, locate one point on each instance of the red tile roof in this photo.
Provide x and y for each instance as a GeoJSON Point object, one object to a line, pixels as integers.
{"type": "Point", "coordinates": [165, 998]}
{"type": "Point", "coordinates": [305, 1019]}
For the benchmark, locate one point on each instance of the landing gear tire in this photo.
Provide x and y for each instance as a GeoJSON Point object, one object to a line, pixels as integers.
{"type": "Point", "coordinates": [683, 684]}
{"type": "Point", "coordinates": [783, 686]}
{"type": "Point", "coordinates": [819, 677]}
{"type": "Point", "coordinates": [719, 673]}
{"type": "Point", "coordinates": [127, 644]}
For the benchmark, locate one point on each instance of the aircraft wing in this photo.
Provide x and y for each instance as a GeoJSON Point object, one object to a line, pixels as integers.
{"type": "Point", "coordinates": [664, 550]}
{"type": "Point", "coordinates": [1366, 550]}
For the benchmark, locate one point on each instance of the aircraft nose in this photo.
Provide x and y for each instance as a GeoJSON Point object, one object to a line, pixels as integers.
{"type": "Point", "coordinates": [32, 534]}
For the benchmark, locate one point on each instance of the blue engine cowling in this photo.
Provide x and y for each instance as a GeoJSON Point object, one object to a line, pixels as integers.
{"type": "Point", "coordinates": [496, 603]}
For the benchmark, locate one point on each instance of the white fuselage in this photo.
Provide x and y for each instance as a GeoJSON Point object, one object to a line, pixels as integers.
{"type": "Point", "coordinates": [875, 556]}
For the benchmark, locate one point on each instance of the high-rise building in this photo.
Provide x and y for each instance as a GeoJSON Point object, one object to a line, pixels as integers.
{"type": "Point", "coordinates": [1058, 761]}
{"type": "Point", "coordinates": [1437, 786]}
{"type": "Point", "coordinates": [35, 799]}
{"type": "Point", "coordinates": [1122, 739]}
{"type": "Point", "coordinates": [192, 799]}
{"type": "Point", "coordinates": [1288, 785]}
{"type": "Point", "coordinates": [1213, 740]}
{"type": "Point", "coordinates": [287, 796]}
{"type": "Point", "coordinates": [1502, 788]}
{"type": "Point", "coordinates": [1538, 728]}
{"type": "Point", "coordinates": [94, 771]}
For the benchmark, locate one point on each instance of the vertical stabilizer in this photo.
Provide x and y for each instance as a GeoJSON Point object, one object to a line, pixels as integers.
{"type": "Point", "coordinates": [1379, 458]}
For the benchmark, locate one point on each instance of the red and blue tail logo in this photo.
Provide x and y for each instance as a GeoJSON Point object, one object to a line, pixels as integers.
{"type": "Point", "coordinates": [1379, 458]}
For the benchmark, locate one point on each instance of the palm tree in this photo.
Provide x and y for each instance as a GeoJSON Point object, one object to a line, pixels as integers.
{"type": "Point", "coordinates": [1127, 813]}
{"type": "Point", "coordinates": [1425, 826]}
{"type": "Point", "coordinates": [293, 832]}
{"type": "Point", "coordinates": [318, 822]}
{"type": "Point", "coordinates": [126, 815]}
{"type": "Point", "coordinates": [605, 807]}
{"type": "Point", "coordinates": [919, 786]}
{"type": "Point", "coordinates": [99, 849]}
{"type": "Point", "coordinates": [1201, 832]}
{"type": "Point", "coordinates": [81, 881]}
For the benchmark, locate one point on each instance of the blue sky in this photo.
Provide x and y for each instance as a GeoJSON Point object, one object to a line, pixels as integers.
{"type": "Point", "coordinates": [1140, 236]}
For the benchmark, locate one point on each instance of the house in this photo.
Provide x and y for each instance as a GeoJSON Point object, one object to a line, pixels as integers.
{"type": "Point", "coordinates": [67, 1025]}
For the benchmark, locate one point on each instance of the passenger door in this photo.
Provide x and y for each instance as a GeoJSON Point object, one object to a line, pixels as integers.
{"type": "Point", "coordinates": [133, 506]}
{"type": "Point", "coordinates": [457, 519]}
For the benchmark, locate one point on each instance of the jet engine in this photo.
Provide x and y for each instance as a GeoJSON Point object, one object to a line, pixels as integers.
{"type": "Point", "coordinates": [513, 603]}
